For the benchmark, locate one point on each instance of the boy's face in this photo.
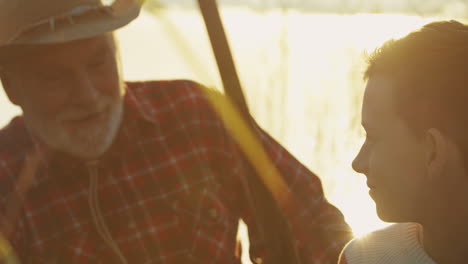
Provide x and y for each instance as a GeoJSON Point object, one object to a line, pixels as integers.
{"type": "Point", "coordinates": [392, 158]}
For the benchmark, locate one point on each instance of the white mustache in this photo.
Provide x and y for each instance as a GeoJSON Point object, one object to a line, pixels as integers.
{"type": "Point", "coordinates": [80, 113]}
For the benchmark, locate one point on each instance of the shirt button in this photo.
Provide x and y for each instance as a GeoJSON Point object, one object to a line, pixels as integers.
{"type": "Point", "coordinates": [213, 213]}
{"type": "Point", "coordinates": [131, 225]}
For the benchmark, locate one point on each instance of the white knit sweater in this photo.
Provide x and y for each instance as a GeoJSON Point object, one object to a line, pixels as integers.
{"type": "Point", "coordinates": [395, 244]}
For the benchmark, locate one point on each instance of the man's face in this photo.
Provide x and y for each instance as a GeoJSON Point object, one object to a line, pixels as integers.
{"type": "Point", "coordinates": [71, 95]}
{"type": "Point", "coordinates": [392, 158]}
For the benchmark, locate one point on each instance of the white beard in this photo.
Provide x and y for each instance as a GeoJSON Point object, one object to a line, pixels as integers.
{"type": "Point", "coordinates": [87, 142]}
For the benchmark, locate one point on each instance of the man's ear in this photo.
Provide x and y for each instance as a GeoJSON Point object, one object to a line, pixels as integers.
{"type": "Point", "coordinates": [9, 87]}
{"type": "Point", "coordinates": [436, 152]}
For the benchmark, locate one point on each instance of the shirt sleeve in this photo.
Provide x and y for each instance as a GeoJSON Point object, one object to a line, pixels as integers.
{"type": "Point", "coordinates": [318, 228]}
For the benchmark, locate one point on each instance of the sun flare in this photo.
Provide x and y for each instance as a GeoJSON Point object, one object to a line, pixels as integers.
{"type": "Point", "coordinates": [301, 72]}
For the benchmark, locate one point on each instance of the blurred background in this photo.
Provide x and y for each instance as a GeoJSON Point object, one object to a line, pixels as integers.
{"type": "Point", "coordinates": [301, 64]}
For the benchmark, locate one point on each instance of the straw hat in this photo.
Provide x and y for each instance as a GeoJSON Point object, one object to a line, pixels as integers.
{"type": "Point", "coordinates": [24, 22]}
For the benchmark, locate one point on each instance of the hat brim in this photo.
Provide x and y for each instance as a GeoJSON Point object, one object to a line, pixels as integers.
{"type": "Point", "coordinates": [81, 27]}
{"type": "Point", "coordinates": [85, 26]}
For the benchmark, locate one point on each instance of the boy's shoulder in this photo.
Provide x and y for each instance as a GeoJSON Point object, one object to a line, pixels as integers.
{"type": "Point", "coordinates": [397, 243]}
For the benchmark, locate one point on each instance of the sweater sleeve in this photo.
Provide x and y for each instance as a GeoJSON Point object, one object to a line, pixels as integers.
{"type": "Point", "coordinates": [317, 226]}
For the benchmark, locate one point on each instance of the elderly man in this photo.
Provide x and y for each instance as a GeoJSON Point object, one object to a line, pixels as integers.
{"type": "Point", "coordinates": [416, 149]}
{"type": "Point", "coordinates": [98, 170]}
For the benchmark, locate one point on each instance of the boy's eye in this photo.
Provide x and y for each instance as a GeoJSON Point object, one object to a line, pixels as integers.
{"type": "Point", "coordinates": [51, 78]}
{"type": "Point", "coordinates": [98, 63]}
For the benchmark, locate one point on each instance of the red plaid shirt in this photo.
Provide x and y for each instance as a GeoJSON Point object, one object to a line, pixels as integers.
{"type": "Point", "coordinates": [168, 190]}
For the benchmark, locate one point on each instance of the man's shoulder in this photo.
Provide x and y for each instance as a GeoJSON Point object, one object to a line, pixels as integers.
{"type": "Point", "coordinates": [14, 141]}
{"type": "Point", "coordinates": [170, 91]}
{"type": "Point", "coordinates": [184, 98]}
{"type": "Point", "coordinates": [14, 137]}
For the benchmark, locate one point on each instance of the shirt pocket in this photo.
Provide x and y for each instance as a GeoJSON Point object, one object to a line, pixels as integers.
{"type": "Point", "coordinates": [210, 224]}
{"type": "Point", "coordinates": [150, 234]}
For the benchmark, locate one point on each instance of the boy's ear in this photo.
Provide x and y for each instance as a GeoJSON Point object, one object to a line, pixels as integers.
{"type": "Point", "coordinates": [436, 152]}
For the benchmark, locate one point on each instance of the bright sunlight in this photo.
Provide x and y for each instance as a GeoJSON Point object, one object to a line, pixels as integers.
{"type": "Point", "coordinates": [302, 76]}
{"type": "Point", "coordinates": [303, 71]}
